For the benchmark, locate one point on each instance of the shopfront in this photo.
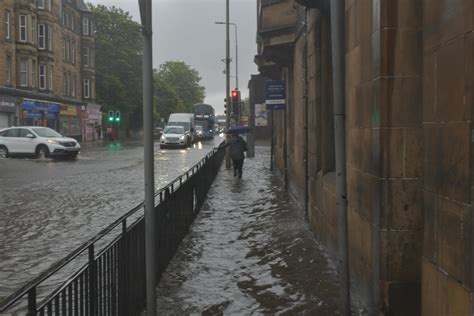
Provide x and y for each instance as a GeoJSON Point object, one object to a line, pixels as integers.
{"type": "Point", "coordinates": [70, 118]}
{"type": "Point", "coordinates": [7, 111]}
{"type": "Point", "coordinates": [40, 113]}
{"type": "Point", "coordinates": [92, 123]}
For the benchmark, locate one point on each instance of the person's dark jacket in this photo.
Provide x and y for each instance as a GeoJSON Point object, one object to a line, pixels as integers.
{"type": "Point", "coordinates": [237, 147]}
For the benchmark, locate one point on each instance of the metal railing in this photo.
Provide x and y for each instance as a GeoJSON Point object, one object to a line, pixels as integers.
{"type": "Point", "coordinates": [111, 281]}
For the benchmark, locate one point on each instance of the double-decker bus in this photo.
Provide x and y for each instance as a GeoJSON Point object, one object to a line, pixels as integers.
{"type": "Point", "coordinates": [204, 116]}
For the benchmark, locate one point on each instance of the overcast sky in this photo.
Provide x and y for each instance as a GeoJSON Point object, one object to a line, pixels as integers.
{"type": "Point", "coordinates": [184, 30]}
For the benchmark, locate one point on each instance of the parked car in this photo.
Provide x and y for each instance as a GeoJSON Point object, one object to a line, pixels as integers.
{"type": "Point", "coordinates": [41, 142]}
{"type": "Point", "coordinates": [174, 136]}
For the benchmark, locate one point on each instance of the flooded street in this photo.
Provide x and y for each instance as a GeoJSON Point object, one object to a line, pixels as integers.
{"type": "Point", "coordinates": [249, 252]}
{"type": "Point", "coordinates": [48, 207]}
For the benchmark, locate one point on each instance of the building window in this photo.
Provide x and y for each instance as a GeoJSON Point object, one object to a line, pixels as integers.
{"type": "Point", "coordinates": [8, 70]}
{"type": "Point", "coordinates": [85, 26]}
{"type": "Point", "coordinates": [86, 56]}
{"type": "Point", "coordinates": [41, 36]}
{"type": "Point", "coordinates": [33, 29]}
{"type": "Point", "coordinates": [68, 51]}
{"type": "Point", "coordinates": [64, 49]}
{"type": "Point", "coordinates": [40, 4]}
{"type": "Point", "coordinates": [73, 52]}
{"type": "Point", "coordinates": [50, 78]}
{"type": "Point", "coordinates": [73, 90]}
{"type": "Point", "coordinates": [49, 37]}
{"type": "Point", "coordinates": [73, 21]}
{"type": "Point", "coordinates": [42, 77]}
{"type": "Point", "coordinates": [87, 88]}
{"type": "Point", "coordinates": [33, 73]}
{"type": "Point", "coordinates": [7, 24]}
{"type": "Point", "coordinates": [23, 28]}
{"type": "Point", "coordinates": [24, 72]}
{"type": "Point", "coordinates": [65, 83]}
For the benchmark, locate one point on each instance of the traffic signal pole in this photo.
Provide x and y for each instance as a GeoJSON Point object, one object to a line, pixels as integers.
{"type": "Point", "coordinates": [227, 79]}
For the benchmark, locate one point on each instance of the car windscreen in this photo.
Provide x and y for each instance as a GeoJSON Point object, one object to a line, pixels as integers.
{"type": "Point", "coordinates": [46, 132]}
{"type": "Point", "coordinates": [174, 130]}
{"type": "Point", "coordinates": [185, 125]}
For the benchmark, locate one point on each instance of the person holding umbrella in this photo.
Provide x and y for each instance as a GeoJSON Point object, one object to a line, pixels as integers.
{"type": "Point", "coordinates": [237, 147]}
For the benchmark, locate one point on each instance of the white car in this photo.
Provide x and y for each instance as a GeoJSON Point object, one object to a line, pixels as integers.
{"type": "Point", "coordinates": [174, 136]}
{"type": "Point", "coordinates": [42, 142]}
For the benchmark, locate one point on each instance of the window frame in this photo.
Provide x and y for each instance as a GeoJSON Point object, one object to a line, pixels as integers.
{"type": "Point", "coordinates": [23, 72]}
{"type": "Point", "coordinates": [85, 26]}
{"type": "Point", "coordinates": [42, 77]}
{"type": "Point", "coordinates": [7, 24]}
{"type": "Point", "coordinates": [23, 28]}
{"type": "Point", "coordinates": [42, 36]}
{"type": "Point", "coordinates": [87, 87]}
{"type": "Point", "coordinates": [8, 69]}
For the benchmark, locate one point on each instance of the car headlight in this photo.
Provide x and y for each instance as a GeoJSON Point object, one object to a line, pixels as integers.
{"type": "Point", "coordinates": [163, 138]}
{"type": "Point", "coordinates": [181, 138]}
{"type": "Point", "coordinates": [52, 141]}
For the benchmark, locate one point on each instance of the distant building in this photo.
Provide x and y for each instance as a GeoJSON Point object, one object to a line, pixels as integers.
{"type": "Point", "coordinates": [47, 69]}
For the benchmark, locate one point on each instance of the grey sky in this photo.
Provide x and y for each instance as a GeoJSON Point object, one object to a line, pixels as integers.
{"type": "Point", "coordinates": [184, 30]}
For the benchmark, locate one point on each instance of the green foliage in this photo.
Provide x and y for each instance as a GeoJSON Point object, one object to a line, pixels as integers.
{"type": "Point", "coordinates": [119, 63]}
{"type": "Point", "coordinates": [177, 88]}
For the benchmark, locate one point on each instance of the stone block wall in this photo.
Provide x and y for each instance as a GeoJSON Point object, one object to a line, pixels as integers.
{"type": "Point", "coordinates": [447, 128]}
{"type": "Point", "coordinates": [384, 152]}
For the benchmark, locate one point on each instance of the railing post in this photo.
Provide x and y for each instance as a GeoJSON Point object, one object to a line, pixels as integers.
{"type": "Point", "coordinates": [123, 272]}
{"type": "Point", "coordinates": [32, 302]}
{"type": "Point", "coordinates": [92, 282]}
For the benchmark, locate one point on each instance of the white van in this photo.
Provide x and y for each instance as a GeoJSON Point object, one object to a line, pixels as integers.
{"type": "Point", "coordinates": [185, 120]}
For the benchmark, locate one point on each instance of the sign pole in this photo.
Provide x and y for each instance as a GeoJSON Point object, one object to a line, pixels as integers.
{"type": "Point", "coordinates": [150, 215]}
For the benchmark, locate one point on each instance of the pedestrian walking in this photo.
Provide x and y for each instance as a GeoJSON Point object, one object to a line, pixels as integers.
{"type": "Point", "coordinates": [98, 129]}
{"type": "Point", "coordinates": [237, 147]}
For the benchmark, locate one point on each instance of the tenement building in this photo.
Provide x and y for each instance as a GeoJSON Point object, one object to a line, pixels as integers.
{"type": "Point", "coordinates": [47, 74]}
{"type": "Point", "coordinates": [408, 96]}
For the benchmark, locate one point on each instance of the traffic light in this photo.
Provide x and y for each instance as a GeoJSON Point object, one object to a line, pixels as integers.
{"type": "Point", "coordinates": [117, 116]}
{"type": "Point", "coordinates": [235, 96]}
{"type": "Point", "coordinates": [111, 116]}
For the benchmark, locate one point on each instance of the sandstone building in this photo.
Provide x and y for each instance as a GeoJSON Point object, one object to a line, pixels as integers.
{"type": "Point", "coordinates": [47, 73]}
{"type": "Point", "coordinates": [408, 135]}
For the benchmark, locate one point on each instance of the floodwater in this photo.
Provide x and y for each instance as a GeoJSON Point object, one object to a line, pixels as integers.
{"type": "Point", "coordinates": [48, 208]}
{"type": "Point", "coordinates": [249, 252]}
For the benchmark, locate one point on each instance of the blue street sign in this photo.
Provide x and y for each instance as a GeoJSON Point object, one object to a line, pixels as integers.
{"type": "Point", "coordinates": [275, 94]}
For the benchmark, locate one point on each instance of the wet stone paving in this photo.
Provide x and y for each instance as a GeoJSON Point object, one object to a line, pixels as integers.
{"type": "Point", "coordinates": [249, 252]}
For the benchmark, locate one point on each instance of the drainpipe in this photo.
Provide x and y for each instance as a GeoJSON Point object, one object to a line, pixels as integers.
{"type": "Point", "coordinates": [337, 8]}
{"type": "Point", "coordinates": [306, 136]}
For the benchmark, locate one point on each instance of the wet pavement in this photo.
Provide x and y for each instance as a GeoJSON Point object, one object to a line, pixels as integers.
{"type": "Point", "coordinates": [50, 207]}
{"type": "Point", "coordinates": [249, 252]}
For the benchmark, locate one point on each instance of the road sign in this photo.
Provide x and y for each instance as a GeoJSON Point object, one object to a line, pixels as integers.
{"type": "Point", "coordinates": [275, 94]}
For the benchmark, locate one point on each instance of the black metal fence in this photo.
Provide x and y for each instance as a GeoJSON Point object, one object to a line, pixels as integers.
{"type": "Point", "coordinates": [111, 281]}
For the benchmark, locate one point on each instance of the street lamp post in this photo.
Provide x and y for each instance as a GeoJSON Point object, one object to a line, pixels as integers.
{"type": "Point", "coordinates": [236, 54]}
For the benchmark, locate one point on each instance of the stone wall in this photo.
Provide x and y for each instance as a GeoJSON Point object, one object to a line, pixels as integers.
{"type": "Point", "coordinates": [409, 69]}
{"type": "Point", "coordinates": [447, 116]}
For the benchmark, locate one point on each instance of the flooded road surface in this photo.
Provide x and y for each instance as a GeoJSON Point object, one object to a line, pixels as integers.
{"type": "Point", "coordinates": [48, 207]}
{"type": "Point", "coordinates": [249, 252]}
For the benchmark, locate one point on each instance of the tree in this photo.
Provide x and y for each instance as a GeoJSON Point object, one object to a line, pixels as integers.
{"type": "Point", "coordinates": [177, 88]}
{"type": "Point", "coordinates": [119, 63]}
{"type": "Point", "coordinates": [165, 98]}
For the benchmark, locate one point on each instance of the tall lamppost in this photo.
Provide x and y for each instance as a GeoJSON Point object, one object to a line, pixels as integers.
{"type": "Point", "coordinates": [236, 54]}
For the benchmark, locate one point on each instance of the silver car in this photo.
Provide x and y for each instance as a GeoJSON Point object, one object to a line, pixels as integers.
{"type": "Point", "coordinates": [174, 136]}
